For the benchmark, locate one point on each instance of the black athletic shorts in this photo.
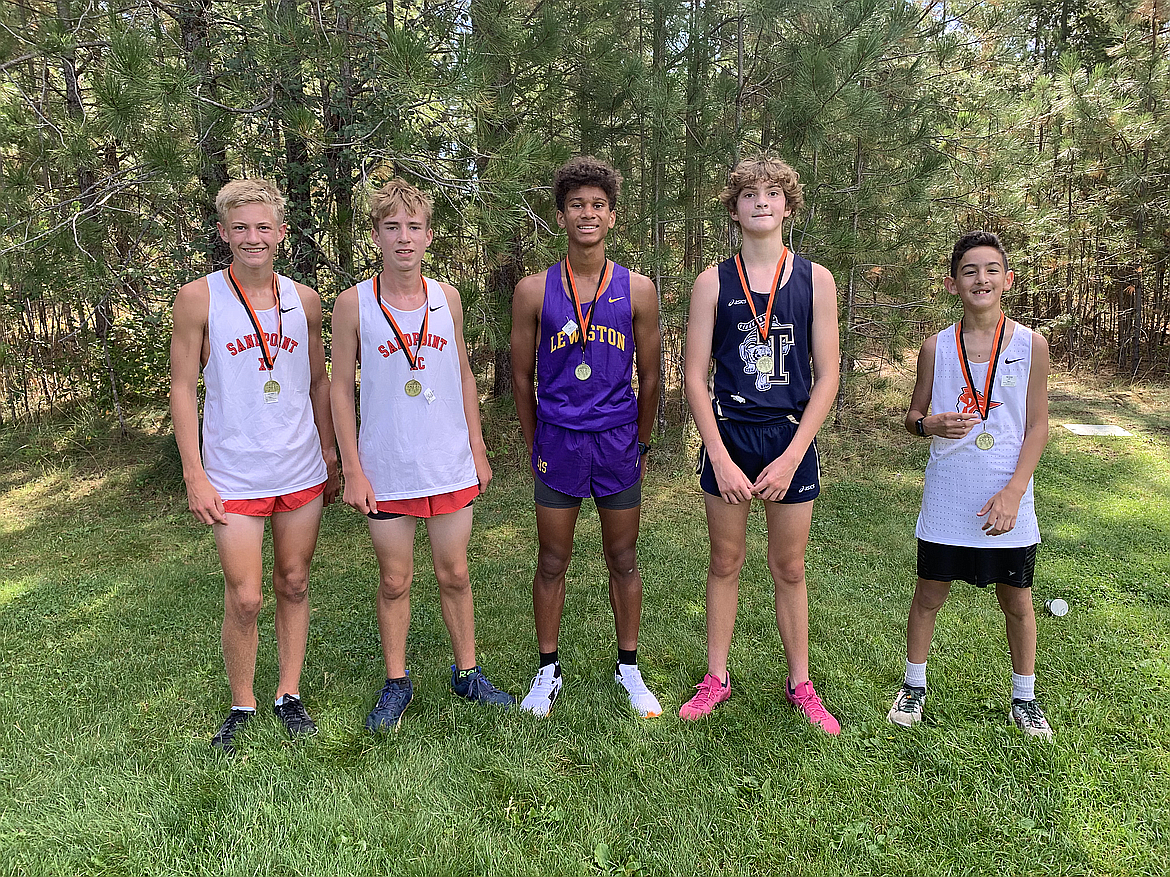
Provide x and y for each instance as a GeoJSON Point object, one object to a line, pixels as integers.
{"type": "Point", "coordinates": [629, 498]}
{"type": "Point", "coordinates": [979, 566]}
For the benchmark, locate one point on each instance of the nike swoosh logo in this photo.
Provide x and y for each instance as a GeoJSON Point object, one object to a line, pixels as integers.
{"type": "Point", "coordinates": [286, 310]}
{"type": "Point", "coordinates": [1010, 361]}
{"type": "Point", "coordinates": [620, 298]}
{"type": "Point", "coordinates": [436, 308]}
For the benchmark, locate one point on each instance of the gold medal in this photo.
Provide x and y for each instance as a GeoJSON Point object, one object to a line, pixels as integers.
{"type": "Point", "coordinates": [985, 441]}
{"type": "Point", "coordinates": [413, 387]}
{"type": "Point", "coordinates": [272, 387]}
{"type": "Point", "coordinates": [764, 365]}
{"type": "Point", "coordinates": [583, 371]}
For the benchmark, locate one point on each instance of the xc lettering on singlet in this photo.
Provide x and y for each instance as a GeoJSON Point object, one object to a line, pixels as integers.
{"type": "Point", "coordinates": [779, 343]}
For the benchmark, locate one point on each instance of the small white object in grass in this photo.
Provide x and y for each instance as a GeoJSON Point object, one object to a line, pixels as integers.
{"type": "Point", "coordinates": [1056, 607]}
{"type": "Point", "coordinates": [1096, 429]}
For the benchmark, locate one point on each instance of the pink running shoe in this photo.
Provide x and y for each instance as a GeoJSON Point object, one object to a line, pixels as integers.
{"type": "Point", "coordinates": [805, 698]}
{"type": "Point", "coordinates": [708, 694]}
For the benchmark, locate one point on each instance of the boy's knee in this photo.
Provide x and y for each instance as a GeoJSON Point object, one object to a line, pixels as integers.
{"type": "Point", "coordinates": [787, 573]}
{"type": "Point", "coordinates": [726, 564]}
{"type": "Point", "coordinates": [391, 587]}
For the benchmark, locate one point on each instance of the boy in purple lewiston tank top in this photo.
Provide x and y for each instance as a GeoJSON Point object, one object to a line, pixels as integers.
{"type": "Point", "coordinates": [762, 325]}
{"type": "Point", "coordinates": [575, 329]}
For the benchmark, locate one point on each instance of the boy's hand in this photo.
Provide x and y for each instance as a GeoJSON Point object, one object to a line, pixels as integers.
{"type": "Point", "coordinates": [950, 424]}
{"type": "Point", "coordinates": [1001, 511]}
{"type": "Point", "coordinates": [734, 486]}
{"type": "Point", "coordinates": [776, 478]}
{"type": "Point", "coordinates": [204, 501]}
{"type": "Point", "coordinates": [359, 493]}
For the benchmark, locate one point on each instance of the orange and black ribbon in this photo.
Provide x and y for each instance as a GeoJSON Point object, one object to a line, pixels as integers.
{"type": "Point", "coordinates": [766, 326]}
{"type": "Point", "coordinates": [996, 345]}
{"type": "Point", "coordinates": [585, 318]}
{"type": "Point", "coordinates": [268, 353]}
{"type": "Point", "coordinates": [412, 358]}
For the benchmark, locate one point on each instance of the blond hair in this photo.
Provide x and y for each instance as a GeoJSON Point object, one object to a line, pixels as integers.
{"type": "Point", "coordinates": [395, 195]}
{"type": "Point", "coordinates": [252, 191]}
{"type": "Point", "coordinates": [763, 168]}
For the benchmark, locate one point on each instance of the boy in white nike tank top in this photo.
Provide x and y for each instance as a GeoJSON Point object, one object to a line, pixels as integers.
{"type": "Point", "coordinates": [982, 398]}
{"type": "Point", "coordinates": [420, 451]}
{"type": "Point", "coordinates": [268, 447]}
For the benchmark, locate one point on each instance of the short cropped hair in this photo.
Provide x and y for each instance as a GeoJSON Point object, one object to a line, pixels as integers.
{"type": "Point", "coordinates": [763, 168]}
{"type": "Point", "coordinates": [585, 170]}
{"type": "Point", "coordinates": [970, 241]}
{"type": "Point", "coordinates": [395, 195]}
{"type": "Point", "coordinates": [251, 191]}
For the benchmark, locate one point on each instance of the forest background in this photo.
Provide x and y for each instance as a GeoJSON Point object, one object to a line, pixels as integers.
{"type": "Point", "coordinates": [909, 123]}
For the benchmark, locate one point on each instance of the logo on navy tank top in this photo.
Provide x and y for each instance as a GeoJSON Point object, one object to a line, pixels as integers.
{"type": "Point", "coordinates": [751, 348]}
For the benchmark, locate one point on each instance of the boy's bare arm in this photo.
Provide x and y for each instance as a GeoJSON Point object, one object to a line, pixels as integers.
{"type": "Point", "coordinates": [734, 486]}
{"type": "Point", "coordinates": [648, 350]}
{"type": "Point", "coordinates": [319, 391]}
{"type": "Point", "coordinates": [358, 492]}
{"type": "Point", "coordinates": [947, 424]}
{"type": "Point", "coordinates": [187, 348]}
{"type": "Point", "coordinates": [526, 303]}
{"type": "Point", "coordinates": [483, 469]}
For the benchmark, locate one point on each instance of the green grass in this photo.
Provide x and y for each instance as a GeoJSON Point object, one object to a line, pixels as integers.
{"type": "Point", "coordinates": [110, 600]}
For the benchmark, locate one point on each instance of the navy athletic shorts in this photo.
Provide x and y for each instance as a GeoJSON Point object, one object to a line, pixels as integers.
{"type": "Point", "coordinates": [753, 447]}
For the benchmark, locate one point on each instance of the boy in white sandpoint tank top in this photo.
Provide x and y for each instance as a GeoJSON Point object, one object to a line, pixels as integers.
{"type": "Point", "coordinates": [420, 451]}
{"type": "Point", "coordinates": [982, 398]}
{"type": "Point", "coordinates": [268, 448]}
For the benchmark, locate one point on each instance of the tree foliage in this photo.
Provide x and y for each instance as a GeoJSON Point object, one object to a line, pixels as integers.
{"type": "Point", "coordinates": [909, 121]}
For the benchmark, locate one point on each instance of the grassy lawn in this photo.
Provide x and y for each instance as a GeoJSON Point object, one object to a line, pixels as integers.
{"type": "Point", "coordinates": [111, 597]}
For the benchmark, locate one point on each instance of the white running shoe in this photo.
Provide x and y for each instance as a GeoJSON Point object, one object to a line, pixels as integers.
{"type": "Point", "coordinates": [546, 685]}
{"type": "Point", "coordinates": [642, 700]}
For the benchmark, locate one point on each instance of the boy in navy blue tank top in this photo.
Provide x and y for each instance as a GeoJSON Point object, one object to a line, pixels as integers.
{"type": "Point", "coordinates": [767, 321]}
{"type": "Point", "coordinates": [575, 330]}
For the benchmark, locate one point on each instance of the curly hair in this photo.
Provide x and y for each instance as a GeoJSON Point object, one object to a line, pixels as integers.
{"type": "Point", "coordinates": [585, 170]}
{"type": "Point", "coordinates": [257, 190]}
{"type": "Point", "coordinates": [763, 168]}
{"type": "Point", "coordinates": [395, 195]}
{"type": "Point", "coordinates": [970, 241]}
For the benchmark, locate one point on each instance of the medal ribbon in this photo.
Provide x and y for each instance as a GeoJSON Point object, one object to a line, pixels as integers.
{"type": "Point", "coordinates": [766, 326]}
{"type": "Point", "coordinates": [412, 358]}
{"type": "Point", "coordinates": [267, 352]}
{"type": "Point", "coordinates": [585, 319]}
{"type": "Point", "coordinates": [996, 345]}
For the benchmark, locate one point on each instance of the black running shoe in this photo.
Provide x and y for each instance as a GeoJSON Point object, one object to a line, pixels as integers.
{"type": "Point", "coordinates": [476, 687]}
{"type": "Point", "coordinates": [224, 739]}
{"type": "Point", "coordinates": [295, 717]}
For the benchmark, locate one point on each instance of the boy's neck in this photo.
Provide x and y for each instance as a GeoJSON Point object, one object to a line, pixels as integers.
{"type": "Point", "coordinates": [255, 282]}
{"type": "Point", "coordinates": [587, 261]}
{"type": "Point", "coordinates": [762, 250]}
{"type": "Point", "coordinates": [401, 284]}
{"type": "Point", "coordinates": [981, 322]}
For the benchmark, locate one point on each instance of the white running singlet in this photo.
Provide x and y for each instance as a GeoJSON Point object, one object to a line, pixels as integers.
{"type": "Point", "coordinates": [960, 477]}
{"type": "Point", "coordinates": [411, 446]}
{"type": "Point", "coordinates": [253, 448]}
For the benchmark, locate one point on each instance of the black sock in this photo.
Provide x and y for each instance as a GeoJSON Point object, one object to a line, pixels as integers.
{"type": "Point", "coordinates": [399, 681]}
{"type": "Point", "coordinates": [547, 658]}
{"type": "Point", "coordinates": [628, 656]}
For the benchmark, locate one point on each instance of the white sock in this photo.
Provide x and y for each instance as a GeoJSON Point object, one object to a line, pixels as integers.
{"type": "Point", "coordinates": [916, 674]}
{"type": "Point", "coordinates": [280, 699]}
{"type": "Point", "coordinates": [1023, 687]}
{"type": "Point", "coordinates": [247, 709]}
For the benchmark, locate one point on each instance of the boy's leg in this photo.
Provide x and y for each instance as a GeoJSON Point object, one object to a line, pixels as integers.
{"type": "Point", "coordinates": [788, 529]}
{"type": "Point", "coordinates": [554, 531]}
{"type": "Point", "coordinates": [294, 538]}
{"type": "Point", "coordinates": [449, 535]}
{"type": "Point", "coordinates": [727, 531]}
{"type": "Point", "coordinates": [238, 543]}
{"type": "Point", "coordinates": [394, 547]}
{"type": "Point", "coordinates": [619, 538]}
{"type": "Point", "coordinates": [1020, 617]}
{"type": "Point", "coordinates": [929, 597]}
